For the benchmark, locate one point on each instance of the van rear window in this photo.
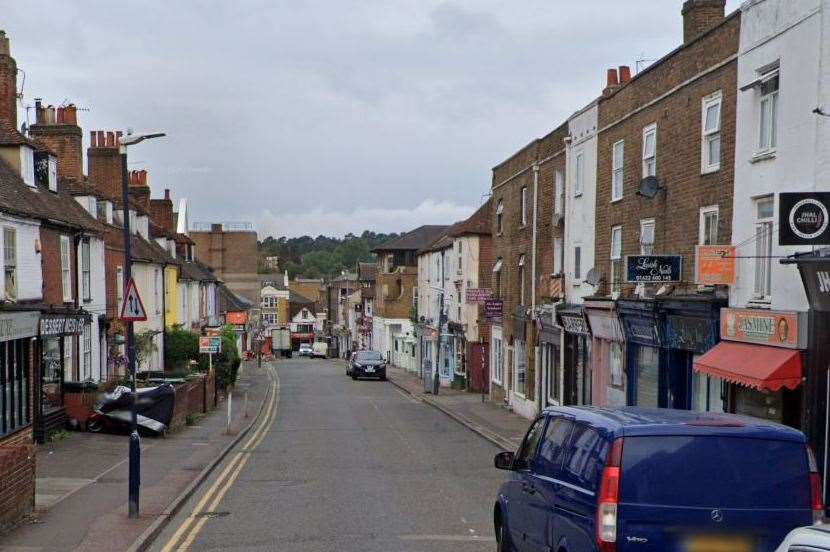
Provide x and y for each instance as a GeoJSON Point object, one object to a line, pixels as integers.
{"type": "Point", "coordinates": [709, 471]}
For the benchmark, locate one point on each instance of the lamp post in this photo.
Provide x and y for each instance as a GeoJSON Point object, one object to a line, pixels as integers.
{"type": "Point", "coordinates": [135, 450]}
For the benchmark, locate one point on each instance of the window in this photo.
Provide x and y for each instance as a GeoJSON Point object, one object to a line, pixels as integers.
{"type": "Point", "coordinates": [101, 209]}
{"type": "Point", "coordinates": [552, 451]}
{"type": "Point", "coordinates": [10, 262]}
{"type": "Point", "coordinates": [27, 165]}
{"type": "Point", "coordinates": [66, 275]}
{"type": "Point", "coordinates": [499, 217]}
{"type": "Point", "coordinates": [615, 275]}
{"type": "Point", "coordinates": [497, 278]}
{"type": "Point", "coordinates": [523, 210]}
{"type": "Point", "coordinates": [498, 361]}
{"type": "Point", "coordinates": [520, 385]}
{"type": "Point", "coordinates": [765, 212]}
{"type": "Point", "coordinates": [157, 290]}
{"type": "Point", "coordinates": [768, 119]}
{"type": "Point", "coordinates": [550, 358]}
{"type": "Point", "coordinates": [616, 365]}
{"type": "Point", "coordinates": [579, 174]}
{"type": "Point", "coordinates": [521, 276]}
{"type": "Point", "coordinates": [577, 263]}
{"type": "Point", "coordinates": [86, 281]}
{"type": "Point", "coordinates": [559, 198]}
{"type": "Point", "coordinates": [460, 258]}
{"type": "Point", "coordinates": [710, 149]}
{"type": "Point", "coordinates": [647, 237]}
{"type": "Point", "coordinates": [119, 287]}
{"type": "Point", "coordinates": [617, 171]}
{"type": "Point", "coordinates": [557, 256]}
{"type": "Point", "coordinates": [709, 225]}
{"type": "Point", "coordinates": [67, 357]}
{"type": "Point", "coordinates": [527, 451]}
{"type": "Point", "coordinates": [87, 359]}
{"type": "Point", "coordinates": [650, 150]}
{"type": "Point", "coordinates": [14, 385]}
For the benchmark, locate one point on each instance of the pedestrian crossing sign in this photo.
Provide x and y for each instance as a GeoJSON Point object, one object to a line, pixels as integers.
{"type": "Point", "coordinates": [132, 309]}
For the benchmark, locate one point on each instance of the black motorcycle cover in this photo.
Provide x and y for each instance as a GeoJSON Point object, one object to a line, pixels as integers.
{"type": "Point", "coordinates": [154, 405]}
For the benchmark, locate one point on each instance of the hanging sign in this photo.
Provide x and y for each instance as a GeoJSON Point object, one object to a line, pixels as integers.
{"type": "Point", "coordinates": [132, 309]}
{"type": "Point", "coordinates": [493, 309]}
{"type": "Point", "coordinates": [816, 277]}
{"type": "Point", "coordinates": [715, 265]}
{"type": "Point", "coordinates": [653, 268]}
{"type": "Point", "coordinates": [804, 218]}
{"type": "Point", "coordinates": [477, 296]}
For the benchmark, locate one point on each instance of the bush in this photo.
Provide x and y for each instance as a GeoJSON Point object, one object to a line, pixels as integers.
{"type": "Point", "coordinates": [180, 348]}
{"type": "Point", "coordinates": [227, 362]}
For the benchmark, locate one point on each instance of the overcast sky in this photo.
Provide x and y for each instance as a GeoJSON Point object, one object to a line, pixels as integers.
{"type": "Point", "coordinates": [330, 116]}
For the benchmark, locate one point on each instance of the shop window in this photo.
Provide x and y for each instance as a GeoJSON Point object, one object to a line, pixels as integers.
{"type": "Point", "coordinates": [650, 150]}
{"type": "Point", "coordinates": [648, 377]}
{"type": "Point", "coordinates": [15, 411]}
{"type": "Point", "coordinates": [551, 357]}
{"type": "Point", "coordinates": [765, 220]}
{"type": "Point", "coordinates": [51, 375]}
{"type": "Point", "coordinates": [710, 139]}
{"type": "Point", "coordinates": [615, 365]}
{"type": "Point", "coordinates": [707, 393]}
{"type": "Point", "coordinates": [10, 262]}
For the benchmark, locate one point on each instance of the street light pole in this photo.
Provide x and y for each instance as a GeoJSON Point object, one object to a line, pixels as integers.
{"type": "Point", "coordinates": [135, 443]}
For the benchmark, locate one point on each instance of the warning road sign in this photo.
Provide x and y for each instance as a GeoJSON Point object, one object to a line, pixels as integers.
{"type": "Point", "coordinates": [132, 309]}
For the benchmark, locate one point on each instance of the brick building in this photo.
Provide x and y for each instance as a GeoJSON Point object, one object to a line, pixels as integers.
{"type": "Point", "coordinates": [665, 165]}
{"type": "Point", "coordinates": [231, 249]}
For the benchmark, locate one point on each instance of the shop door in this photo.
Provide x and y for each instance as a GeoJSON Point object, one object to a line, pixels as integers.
{"type": "Point", "coordinates": [577, 386]}
{"type": "Point", "coordinates": [646, 371]}
{"type": "Point", "coordinates": [679, 379]}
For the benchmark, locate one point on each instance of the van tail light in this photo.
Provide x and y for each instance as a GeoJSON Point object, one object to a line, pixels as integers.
{"type": "Point", "coordinates": [816, 504]}
{"type": "Point", "coordinates": [609, 498]}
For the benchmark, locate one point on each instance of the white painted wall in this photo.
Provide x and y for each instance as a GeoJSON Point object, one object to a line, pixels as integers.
{"type": "Point", "coordinates": [97, 305]}
{"type": "Point", "coordinates": [468, 276]}
{"type": "Point", "coordinates": [29, 269]}
{"type": "Point", "coordinates": [143, 274]}
{"type": "Point", "coordinates": [580, 210]}
{"type": "Point", "coordinates": [791, 32]}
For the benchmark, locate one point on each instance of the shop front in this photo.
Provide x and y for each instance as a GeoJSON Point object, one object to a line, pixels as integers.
{"type": "Point", "coordinates": [761, 357]}
{"type": "Point", "coordinates": [58, 336]}
{"type": "Point", "coordinates": [18, 333]}
{"type": "Point", "coordinates": [607, 354]}
{"type": "Point", "coordinates": [576, 371]}
{"type": "Point", "coordinates": [647, 379]}
{"type": "Point", "coordinates": [550, 342]}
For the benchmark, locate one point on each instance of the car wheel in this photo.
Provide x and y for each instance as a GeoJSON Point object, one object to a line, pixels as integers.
{"type": "Point", "coordinates": [383, 377]}
{"type": "Point", "coordinates": [503, 543]}
{"type": "Point", "coordinates": [354, 376]}
{"type": "Point", "coordinates": [94, 426]}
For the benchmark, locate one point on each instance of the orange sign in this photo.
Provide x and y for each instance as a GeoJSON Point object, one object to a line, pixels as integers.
{"type": "Point", "coordinates": [766, 327]}
{"type": "Point", "coordinates": [715, 265]}
{"type": "Point", "coordinates": [239, 318]}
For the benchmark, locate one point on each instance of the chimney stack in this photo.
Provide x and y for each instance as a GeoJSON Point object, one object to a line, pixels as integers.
{"type": "Point", "coordinates": [161, 213]}
{"type": "Point", "coordinates": [612, 82]}
{"type": "Point", "coordinates": [59, 130]}
{"type": "Point", "coordinates": [625, 74]}
{"type": "Point", "coordinates": [139, 190]}
{"type": "Point", "coordinates": [104, 163]}
{"type": "Point", "coordinates": [8, 83]}
{"type": "Point", "coordinates": [700, 16]}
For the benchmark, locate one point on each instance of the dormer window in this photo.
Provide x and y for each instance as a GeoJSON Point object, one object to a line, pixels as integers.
{"type": "Point", "coordinates": [27, 165]}
{"type": "Point", "coordinates": [53, 173]}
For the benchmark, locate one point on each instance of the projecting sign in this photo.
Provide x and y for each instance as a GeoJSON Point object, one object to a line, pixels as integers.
{"type": "Point", "coordinates": [816, 277]}
{"type": "Point", "coordinates": [210, 344]}
{"type": "Point", "coordinates": [493, 308]}
{"type": "Point", "coordinates": [715, 265]}
{"type": "Point", "coordinates": [477, 296]}
{"type": "Point", "coordinates": [653, 268]}
{"type": "Point", "coordinates": [804, 218]}
{"type": "Point", "coordinates": [132, 309]}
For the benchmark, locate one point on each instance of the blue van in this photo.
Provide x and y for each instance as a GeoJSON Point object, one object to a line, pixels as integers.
{"type": "Point", "coordinates": [589, 479]}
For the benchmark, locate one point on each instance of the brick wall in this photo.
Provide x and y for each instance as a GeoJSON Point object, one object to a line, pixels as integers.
{"type": "Point", "coordinates": [233, 256]}
{"type": "Point", "coordinates": [104, 163]}
{"type": "Point", "coordinates": [17, 473]}
{"type": "Point", "coordinates": [8, 83]}
{"type": "Point", "coordinates": [196, 396]}
{"type": "Point", "coordinates": [624, 114]}
{"type": "Point", "coordinates": [51, 263]}
{"type": "Point", "coordinates": [394, 292]}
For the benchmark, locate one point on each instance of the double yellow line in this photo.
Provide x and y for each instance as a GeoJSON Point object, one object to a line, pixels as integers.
{"type": "Point", "coordinates": [189, 529]}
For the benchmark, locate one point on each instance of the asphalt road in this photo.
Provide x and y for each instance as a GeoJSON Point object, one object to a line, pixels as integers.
{"type": "Point", "coordinates": [344, 465]}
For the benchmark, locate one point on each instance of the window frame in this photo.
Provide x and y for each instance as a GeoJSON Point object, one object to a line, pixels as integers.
{"type": "Point", "coordinates": [521, 277]}
{"type": "Point", "coordinates": [497, 375]}
{"type": "Point", "coordinates": [578, 263]}
{"type": "Point", "coordinates": [66, 269]}
{"type": "Point", "coordinates": [650, 130]}
{"type": "Point", "coordinates": [500, 217]}
{"type": "Point", "coordinates": [86, 268]}
{"type": "Point", "coordinates": [119, 288]}
{"type": "Point", "coordinates": [27, 165]}
{"type": "Point", "coordinates": [614, 279]}
{"type": "Point", "coordinates": [579, 173]}
{"type": "Point", "coordinates": [10, 262]}
{"type": "Point", "coordinates": [773, 97]}
{"type": "Point", "coordinates": [767, 224]}
{"type": "Point", "coordinates": [702, 226]}
{"type": "Point", "coordinates": [559, 192]}
{"type": "Point", "coordinates": [644, 224]}
{"type": "Point", "coordinates": [86, 360]}
{"type": "Point", "coordinates": [558, 245]}
{"type": "Point", "coordinates": [708, 136]}
{"type": "Point", "coordinates": [617, 170]}
{"type": "Point", "coordinates": [523, 207]}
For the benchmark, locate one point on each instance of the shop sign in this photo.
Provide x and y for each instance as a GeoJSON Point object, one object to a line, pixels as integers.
{"type": "Point", "coordinates": [804, 218]}
{"type": "Point", "coordinates": [689, 333]}
{"type": "Point", "coordinates": [18, 325]}
{"type": "Point", "coordinates": [642, 331]}
{"type": "Point", "coordinates": [477, 296]}
{"type": "Point", "coordinates": [816, 277]}
{"type": "Point", "coordinates": [210, 345]}
{"type": "Point", "coordinates": [605, 325]}
{"type": "Point", "coordinates": [54, 325]}
{"type": "Point", "coordinates": [715, 265]}
{"type": "Point", "coordinates": [237, 317]}
{"type": "Point", "coordinates": [777, 328]}
{"type": "Point", "coordinates": [493, 309]}
{"type": "Point", "coordinates": [653, 268]}
{"type": "Point", "coordinates": [573, 323]}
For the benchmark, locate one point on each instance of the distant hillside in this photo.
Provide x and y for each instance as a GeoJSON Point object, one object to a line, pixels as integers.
{"type": "Point", "coordinates": [322, 256]}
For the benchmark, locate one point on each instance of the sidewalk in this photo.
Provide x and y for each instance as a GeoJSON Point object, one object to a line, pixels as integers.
{"type": "Point", "coordinates": [81, 496]}
{"type": "Point", "coordinates": [491, 421]}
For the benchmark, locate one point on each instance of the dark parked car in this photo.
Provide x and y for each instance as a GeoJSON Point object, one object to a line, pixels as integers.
{"type": "Point", "coordinates": [367, 364]}
{"type": "Point", "coordinates": [654, 480]}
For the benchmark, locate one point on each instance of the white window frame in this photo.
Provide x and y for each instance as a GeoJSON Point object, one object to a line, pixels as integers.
{"type": "Point", "coordinates": [771, 144]}
{"type": "Point", "coordinates": [86, 268]}
{"type": "Point", "coordinates": [616, 268]}
{"type": "Point", "coordinates": [578, 264]}
{"type": "Point", "coordinates": [521, 275]}
{"type": "Point", "coordinates": [27, 165]}
{"type": "Point", "coordinates": [617, 170]}
{"type": "Point", "coordinates": [704, 212]}
{"type": "Point", "coordinates": [708, 136]}
{"type": "Point", "coordinates": [520, 352]}
{"type": "Point", "coordinates": [10, 263]}
{"type": "Point", "coordinates": [579, 174]}
{"type": "Point", "coordinates": [763, 251]}
{"type": "Point", "coordinates": [646, 225]}
{"type": "Point", "coordinates": [66, 269]}
{"type": "Point", "coordinates": [523, 207]}
{"type": "Point", "coordinates": [559, 193]}
{"type": "Point", "coordinates": [500, 217]}
{"type": "Point", "coordinates": [557, 256]}
{"type": "Point", "coordinates": [157, 290]}
{"type": "Point", "coordinates": [86, 342]}
{"type": "Point", "coordinates": [650, 157]}
{"type": "Point", "coordinates": [119, 288]}
{"type": "Point", "coordinates": [497, 375]}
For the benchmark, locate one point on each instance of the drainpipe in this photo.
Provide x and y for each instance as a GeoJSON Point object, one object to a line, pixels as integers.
{"type": "Point", "coordinates": [536, 371]}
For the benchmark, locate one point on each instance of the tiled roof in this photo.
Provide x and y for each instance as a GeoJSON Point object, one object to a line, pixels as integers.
{"type": "Point", "coordinates": [159, 232]}
{"type": "Point", "coordinates": [84, 187]}
{"type": "Point", "coordinates": [274, 279]}
{"type": "Point", "coordinates": [414, 239]}
{"type": "Point", "coordinates": [10, 136]}
{"type": "Point", "coordinates": [367, 271]}
{"type": "Point", "coordinates": [231, 301]}
{"type": "Point", "coordinates": [478, 223]}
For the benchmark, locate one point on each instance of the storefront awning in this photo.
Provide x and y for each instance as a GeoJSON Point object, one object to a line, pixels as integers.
{"type": "Point", "coordinates": [757, 366]}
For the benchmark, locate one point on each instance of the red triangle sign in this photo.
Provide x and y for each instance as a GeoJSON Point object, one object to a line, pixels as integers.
{"type": "Point", "coordinates": [132, 309]}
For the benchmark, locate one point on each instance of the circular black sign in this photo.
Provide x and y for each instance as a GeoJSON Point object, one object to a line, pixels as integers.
{"type": "Point", "coordinates": [809, 218]}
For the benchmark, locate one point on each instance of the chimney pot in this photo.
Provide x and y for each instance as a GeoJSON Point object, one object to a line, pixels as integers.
{"type": "Point", "coordinates": [612, 79]}
{"type": "Point", "coordinates": [4, 44]}
{"type": "Point", "coordinates": [59, 118]}
{"type": "Point", "coordinates": [102, 139]}
{"type": "Point", "coordinates": [167, 194]}
{"type": "Point", "coordinates": [93, 142]}
{"type": "Point", "coordinates": [50, 115]}
{"type": "Point", "coordinates": [70, 115]}
{"type": "Point", "coordinates": [625, 74]}
{"type": "Point", "coordinates": [110, 139]}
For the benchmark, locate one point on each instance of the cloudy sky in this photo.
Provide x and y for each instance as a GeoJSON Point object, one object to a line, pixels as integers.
{"type": "Point", "coordinates": [330, 117]}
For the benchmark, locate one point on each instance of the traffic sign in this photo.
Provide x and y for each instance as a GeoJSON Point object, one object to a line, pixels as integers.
{"type": "Point", "coordinates": [132, 309]}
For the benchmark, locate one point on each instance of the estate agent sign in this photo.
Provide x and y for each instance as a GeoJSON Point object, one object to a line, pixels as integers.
{"type": "Point", "coordinates": [653, 268]}
{"type": "Point", "coordinates": [804, 218]}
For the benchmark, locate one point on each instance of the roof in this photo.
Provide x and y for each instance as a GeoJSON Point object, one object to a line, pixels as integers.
{"type": "Point", "coordinates": [159, 232]}
{"type": "Point", "coordinates": [197, 271]}
{"type": "Point", "coordinates": [294, 297]}
{"type": "Point", "coordinates": [443, 242]}
{"type": "Point", "coordinates": [10, 136]}
{"type": "Point", "coordinates": [83, 187]}
{"type": "Point", "coordinates": [479, 222]}
{"type": "Point", "coordinates": [233, 302]}
{"type": "Point", "coordinates": [414, 239]}
{"type": "Point", "coordinates": [274, 279]}
{"type": "Point", "coordinates": [184, 238]}
{"type": "Point", "coordinates": [638, 421]}
{"type": "Point", "coordinates": [367, 271]}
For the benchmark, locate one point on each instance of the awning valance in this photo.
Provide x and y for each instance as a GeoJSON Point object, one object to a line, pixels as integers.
{"type": "Point", "coordinates": [757, 366]}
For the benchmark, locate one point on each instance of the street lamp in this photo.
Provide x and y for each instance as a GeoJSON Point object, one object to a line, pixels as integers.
{"type": "Point", "coordinates": [135, 450]}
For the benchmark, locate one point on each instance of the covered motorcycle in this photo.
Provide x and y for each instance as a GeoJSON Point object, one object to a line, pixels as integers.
{"type": "Point", "coordinates": [154, 408]}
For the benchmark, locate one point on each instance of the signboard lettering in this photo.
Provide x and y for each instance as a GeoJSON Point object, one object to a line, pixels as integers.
{"type": "Point", "coordinates": [715, 265]}
{"type": "Point", "coordinates": [690, 334]}
{"type": "Point", "coordinates": [210, 344]}
{"type": "Point", "coordinates": [653, 268]}
{"type": "Point", "coordinates": [777, 328]}
{"type": "Point", "coordinates": [574, 324]}
{"type": "Point", "coordinates": [493, 308]}
{"type": "Point", "coordinates": [62, 325]}
{"type": "Point", "coordinates": [477, 296]}
{"type": "Point", "coordinates": [804, 218]}
{"type": "Point", "coordinates": [18, 325]}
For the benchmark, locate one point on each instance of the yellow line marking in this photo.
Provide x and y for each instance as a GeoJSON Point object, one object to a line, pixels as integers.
{"type": "Point", "coordinates": [234, 468]}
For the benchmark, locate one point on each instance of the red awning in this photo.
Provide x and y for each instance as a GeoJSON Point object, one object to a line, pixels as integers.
{"type": "Point", "coordinates": [755, 366]}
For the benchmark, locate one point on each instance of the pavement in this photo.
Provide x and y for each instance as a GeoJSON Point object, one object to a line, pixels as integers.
{"type": "Point", "coordinates": [337, 464]}
{"type": "Point", "coordinates": [81, 493]}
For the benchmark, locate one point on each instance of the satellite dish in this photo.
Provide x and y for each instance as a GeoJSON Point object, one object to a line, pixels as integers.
{"type": "Point", "coordinates": [593, 277]}
{"type": "Point", "coordinates": [649, 187]}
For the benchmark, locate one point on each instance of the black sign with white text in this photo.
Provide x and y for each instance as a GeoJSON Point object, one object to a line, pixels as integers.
{"type": "Point", "coordinates": [816, 277]}
{"type": "Point", "coordinates": [653, 268]}
{"type": "Point", "coordinates": [804, 218]}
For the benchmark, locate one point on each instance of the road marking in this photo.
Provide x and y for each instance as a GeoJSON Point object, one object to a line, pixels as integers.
{"type": "Point", "coordinates": [407, 396]}
{"type": "Point", "coordinates": [453, 538]}
{"type": "Point", "coordinates": [227, 478]}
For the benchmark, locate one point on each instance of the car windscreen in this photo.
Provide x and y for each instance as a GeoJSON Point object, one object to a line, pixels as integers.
{"type": "Point", "coordinates": [714, 471]}
{"type": "Point", "coordinates": [368, 357]}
